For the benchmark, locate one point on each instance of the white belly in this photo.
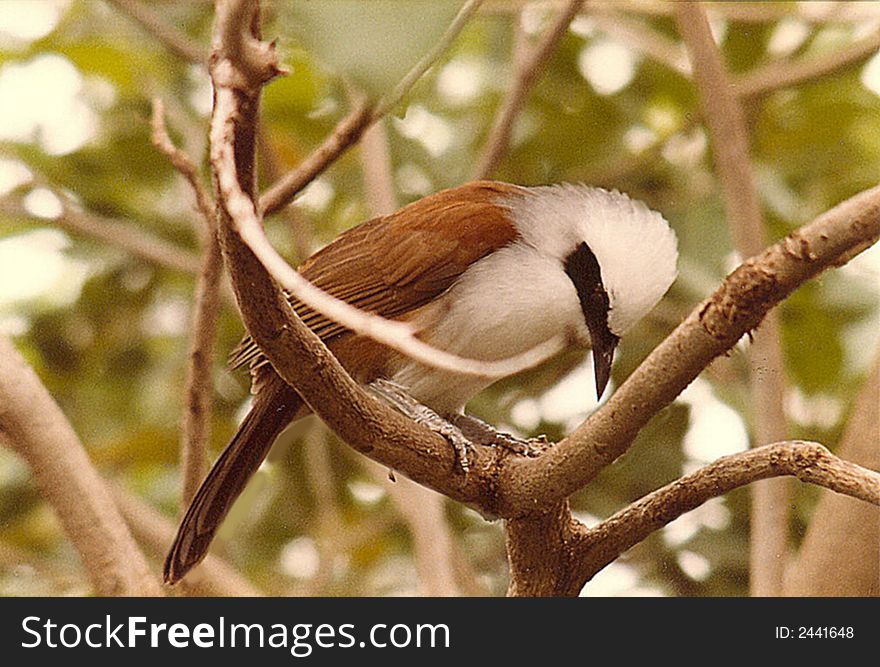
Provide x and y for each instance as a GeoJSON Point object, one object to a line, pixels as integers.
{"type": "Point", "coordinates": [504, 305]}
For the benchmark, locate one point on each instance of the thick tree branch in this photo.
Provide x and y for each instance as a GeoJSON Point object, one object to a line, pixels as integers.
{"type": "Point", "coordinates": [528, 71]}
{"type": "Point", "coordinates": [539, 551]}
{"type": "Point", "coordinates": [38, 431]}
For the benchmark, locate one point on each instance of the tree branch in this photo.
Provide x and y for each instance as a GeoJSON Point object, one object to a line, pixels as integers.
{"type": "Point", "coordinates": [810, 462]}
{"type": "Point", "coordinates": [112, 232]}
{"type": "Point", "coordinates": [196, 420]}
{"type": "Point", "coordinates": [730, 146]}
{"type": "Point", "coordinates": [39, 432]}
{"type": "Point", "coordinates": [182, 162]}
{"type": "Point", "coordinates": [539, 551]}
{"type": "Point", "coordinates": [526, 75]}
{"type": "Point", "coordinates": [176, 41]}
{"type": "Point", "coordinates": [787, 73]}
{"type": "Point", "coordinates": [350, 129]}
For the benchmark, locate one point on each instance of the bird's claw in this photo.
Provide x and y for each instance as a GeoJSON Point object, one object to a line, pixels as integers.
{"type": "Point", "coordinates": [530, 447]}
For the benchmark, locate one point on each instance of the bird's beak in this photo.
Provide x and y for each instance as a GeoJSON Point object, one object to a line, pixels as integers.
{"type": "Point", "coordinates": [603, 344]}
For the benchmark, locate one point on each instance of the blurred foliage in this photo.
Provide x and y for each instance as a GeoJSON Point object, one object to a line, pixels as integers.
{"type": "Point", "coordinates": [114, 356]}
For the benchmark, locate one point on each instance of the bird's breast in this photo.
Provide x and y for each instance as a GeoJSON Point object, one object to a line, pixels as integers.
{"type": "Point", "coordinates": [504, 305]}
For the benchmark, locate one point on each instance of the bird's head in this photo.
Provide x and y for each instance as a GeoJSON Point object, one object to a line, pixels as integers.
{"type": "Point", "coordinates": [620, 256]}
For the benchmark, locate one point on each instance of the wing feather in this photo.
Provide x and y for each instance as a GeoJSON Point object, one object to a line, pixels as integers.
{"type": "Point", "coordinates": [414, 255]}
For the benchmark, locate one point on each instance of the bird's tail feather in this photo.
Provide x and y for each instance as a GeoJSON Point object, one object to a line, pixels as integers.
{"type": "Point", "coordinates": [274, 408]}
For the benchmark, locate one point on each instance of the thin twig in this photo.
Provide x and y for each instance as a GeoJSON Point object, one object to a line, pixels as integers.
{"type": "Point", "coordinates": [532, 66]}
{"type": "Point", "coordinates": [393, 98]}
{"type": "Point", "coordinates": [182, 162]}
{"type": "Point", "coordinates": [730, 145]}
{"type": "Point", "coordinates": [36, 428]}
{"type": "Point", "coordinates": [787, 73]}
{"type": "Point", "coordinates": [539, 552]}
{"type": "Point", "coordinates": [196, 419]}
{"type": "Point", "coordinates": [112, 232]}
{"type": "Point", "coordinates": [641, 37]}
{"type": "Point", "coordinates": [175, 40]}
{"type": "Point", "coordinates": [350, 128]}
{"type": "Point", "coordinates": [344, 135]}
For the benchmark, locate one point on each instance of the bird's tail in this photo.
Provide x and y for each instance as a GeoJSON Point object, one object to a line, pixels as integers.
{"type": "Point", "coordinates": [275, 406]}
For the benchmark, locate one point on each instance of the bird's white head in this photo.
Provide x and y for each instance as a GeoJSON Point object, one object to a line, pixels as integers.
{"type": "Point", "coordinates": [636, 250]}
{"type": "Point", "coordinates": [620, 255]}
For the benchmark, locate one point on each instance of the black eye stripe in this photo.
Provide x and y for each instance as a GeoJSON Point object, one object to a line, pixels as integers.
{"type": "Point", "coordinates": [582, 268]}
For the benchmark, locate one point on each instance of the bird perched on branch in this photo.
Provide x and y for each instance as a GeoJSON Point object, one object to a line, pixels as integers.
{"type": "Point", "coordinates": [486, 271]}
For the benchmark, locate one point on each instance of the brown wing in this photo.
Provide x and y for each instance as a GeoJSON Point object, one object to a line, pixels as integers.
{"type": "Point", "coordinates": [397, 263]}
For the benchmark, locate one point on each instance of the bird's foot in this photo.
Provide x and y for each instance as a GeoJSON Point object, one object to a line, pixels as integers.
{"type": "Point", "coordinates": [478, 431]}
{"type": "Point", "coordinates": [399, 398]}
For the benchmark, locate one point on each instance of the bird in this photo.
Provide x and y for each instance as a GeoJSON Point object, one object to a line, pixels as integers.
{"type": "Point", "coordinates": [486, 270]}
